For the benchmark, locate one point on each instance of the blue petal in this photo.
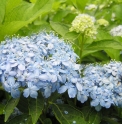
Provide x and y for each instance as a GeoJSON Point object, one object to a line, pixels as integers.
{"type": "Point", "coordinates": [35, 88]}
{"type": "Point", "coordinates": [14, 64]}
{"type": "Point", "coordinates": [62, 89]}
{"type": "Point", "coordinates": [53, 78]}
{"type": "Point", "coordinates": [72, 92]}
{"type": "Point", "coordinates": [26, 92]}
{"type": "Point", "coordinates": [33, 94]}
{"type": "Point", "coordinates": [8, 67]}
{"type": "Point", "coordinates": [74, 80]}
{"type": "Point", "coordinates": [36, 73]}
{"type": "Point", "coordinates": [98, 108]}
{"type": "Point", "coordinates": [55, 86]}
{"type": "Point", "coordinates": [108, 104]}
{"type": "Point", "coordinates": [7, 87]}
{"type": "Point", "coordinates": [79, 86]}
{"type": "Point", "coordinates": [102, 102]}
{"type": "Point", "coordinates": [94, 102]}
{"type": "Point", "coordinates": [15, 93]}
{"type": "Point", "coordinates": [0, 72]}
{"type": "Point", "coordinates": [30, 84]}
{"type": "Point", "coordinates": [47, 92]}
{"type": "Point", "coordinates": [11, 80]}
{"type": "Point", "coordinates": [43, 77]}
{"type": "Point", "coordinates": [12, 73]}
{"type": "Point", "coordinates": [2, 78]}
{"type": "Point", "coordinates": [93, 95]}
{"type": "Point", "coordinates": [21, 67]}
{"type": "Point", "coordinates": [82, 98]}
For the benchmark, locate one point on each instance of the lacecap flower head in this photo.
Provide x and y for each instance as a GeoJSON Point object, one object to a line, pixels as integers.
{"type": "Point", "coordinates": [42, 62]}
{"type": "Point", "coordinates": [84, 23]}
{"type": "Point", "coordinates": [116, 31]}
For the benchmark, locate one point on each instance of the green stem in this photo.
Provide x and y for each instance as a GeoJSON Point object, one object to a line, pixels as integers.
{"type": "Point", "coordinates": [41, 120]}
{"type": "Point", "coordinates": [75, 100]}
{"type": "Point", "coordinates": [1, 88]}
{"type": "Point", "coordinates": [81, 40]}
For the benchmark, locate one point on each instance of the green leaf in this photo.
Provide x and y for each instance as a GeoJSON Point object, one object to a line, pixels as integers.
{"type": "Point", "coordinates": [22, 15]}
{"type": "Point", "coordinates": [73, 2]}
{"type": "Point", "coordinates": [23, 105]}
{"type": "Point", "coordinates": [30, 11]}
{"type": "Point", "coordinates": [101, 55]}
{"type": "Point", "coordinates": [20, 119]}
{"type": "Point", "coordinates": [101, 45]}
{"type": "Point", "coordinates": [47, 121]}
{"type": "Point", "coordinates": [89, 59]}
{"type": "Point", "coordinates": [12, 103]}
{"type": "Point", "coordinates": [59, 15]}
{"type": "Point", "coordinates": [2, 10]}
{"type": "Point", "coordinates": [60, 28]}
{"type": "Point", "coordinates": [33, 1]}
{"type": "Point", "coordinates": [117, 9]}
{"type": "Point", "coordinates": [54, 96]}
{"type": "Point", "coordinates": [102, 35]}
{"type": "Point", "coordinates": [86, 112]}
{"type": "Point", "coordinates": [94, 117]}
{"type": "Point", "coordinates": [66, 114]}
{"type": "Point", "coordinates": [69, 18]}
{"type": "Point", "coordinates": [11, 4]}
{"type": "Point", "coordinates": [114, 54]}
{"type": "Point", "coordinates": [91, 116]}
{"type": "Point", "coordinates": [71, 36]}
{"type": "Point", "coordinates": [119, 111]}
{"type": "Point", "coordinates": [104, 44]}
{"type": "Point", "coordinates": [87, 52]}
{"type": "Point", "coordinates": [81, 4]}
{"type": "Point", "coordinates": [1, 108]}
{"type": "Point", "coordinates": [110, 120]}
{"type": "Point", "coordinates": [26, 31]}
{"type": "Point", "coordinates": [35, 108]}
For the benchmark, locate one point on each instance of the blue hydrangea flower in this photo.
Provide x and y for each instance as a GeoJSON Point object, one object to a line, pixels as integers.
{"type": "Point", "coordinates": [40, 62]}
{"type": "Point", "coordinates": [103, 84]}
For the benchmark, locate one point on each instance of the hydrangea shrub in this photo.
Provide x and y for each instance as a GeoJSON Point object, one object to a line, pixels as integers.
{"type": "Point", "coordinates": [73, 77]}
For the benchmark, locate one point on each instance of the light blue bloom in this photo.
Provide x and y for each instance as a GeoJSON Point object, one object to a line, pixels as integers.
{"type": "Point", "coordinates": [82, 97]}
{"type": "Point", "coordinates": [39, 62]}
{"type": "Point", "coordinates": [11, 86]}
{"type": "Point", "coordinates": [102, 83]}
{"type": "Point", "coordinates": [71, 89]}
{"type": "Point", "coordinates": [31, 90]}
{"type": "Point", "coordinates": [47, 90]}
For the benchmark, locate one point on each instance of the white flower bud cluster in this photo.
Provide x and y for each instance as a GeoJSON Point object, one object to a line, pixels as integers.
{"type": "Point", "coordinates": [91, 7]}
{"type": "Point", "coordinates": [116, 31]}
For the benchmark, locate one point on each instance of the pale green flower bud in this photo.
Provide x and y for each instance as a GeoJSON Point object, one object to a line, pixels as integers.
{"type": "Point", "coordinates": [102, 22]}
{"type": "Point", "coordinates": [113, 16]}
{"type": "Point", "coordinates": [84, 23]}
{"type": "Point", "coordinates": [101, 6]}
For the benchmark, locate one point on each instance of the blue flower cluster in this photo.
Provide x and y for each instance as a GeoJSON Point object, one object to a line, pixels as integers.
{"type": "Point", "coordinates": [42, 62]}
{"type": "Point", "coordinates": [103, 84]}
